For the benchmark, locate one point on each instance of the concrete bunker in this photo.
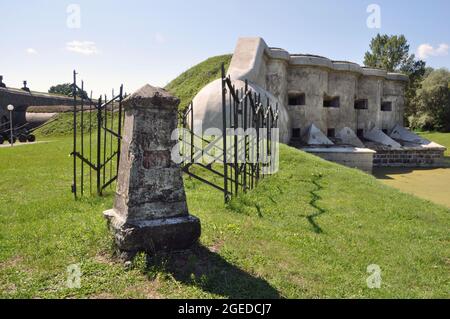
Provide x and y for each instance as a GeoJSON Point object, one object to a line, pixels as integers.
{"type": "Point", "coordinates": [295, 99]}
{"type": "Point", "coordinates": [336, 105]}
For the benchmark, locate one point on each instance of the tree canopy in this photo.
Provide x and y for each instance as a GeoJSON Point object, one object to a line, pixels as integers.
{"type": "Point", "coordinates": [391, 52]}
{"type": "Point", "coordinates": [433, 102]}
{"type": "Point", "coordinates": [65, 89]}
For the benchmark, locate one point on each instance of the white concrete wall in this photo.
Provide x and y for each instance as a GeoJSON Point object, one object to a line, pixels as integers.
{"type": "Point", "coordinates": [276, 73]}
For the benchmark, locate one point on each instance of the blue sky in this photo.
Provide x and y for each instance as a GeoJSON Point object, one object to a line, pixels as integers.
{"type": "Point", "coordinates": [138, 42]}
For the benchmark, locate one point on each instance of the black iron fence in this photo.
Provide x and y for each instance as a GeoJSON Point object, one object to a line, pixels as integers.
{"type": "Point", "coordinates": [246, 148]}
{"type": "Point", "coordinates": [97, 133]}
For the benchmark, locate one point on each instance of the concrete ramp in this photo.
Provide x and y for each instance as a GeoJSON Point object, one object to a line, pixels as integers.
{"type": "Point", "coordinates": [347, 136]}
{"type": "Point", "coordinates": [314, 136]}
{"type": "Point", "coordinates": [378, 136]}
{"type": "Point", "coordinates": [401, 133]}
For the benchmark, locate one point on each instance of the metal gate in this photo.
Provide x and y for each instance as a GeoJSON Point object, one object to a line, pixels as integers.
{"type": "Point", "coordinates": [243, 159]}
{"type": "Point", "coordinates": [97, 133]}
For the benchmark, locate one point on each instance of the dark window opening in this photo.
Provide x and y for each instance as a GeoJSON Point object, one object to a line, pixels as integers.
{"type": "Point", "coordinates": [386, 106]}
{"type": "Point", "coordinates": [331, 132]}
{"type": "Point", "coordinates": [362, 104]}
{"type": "Point", "coordinates": [331, 101]}
{"type": "Point", "coordinates": [360, 133]}
{"type": "Point", "coordinates": [296, 133]}
{"type": "Point", "coordinates": [297, 99]}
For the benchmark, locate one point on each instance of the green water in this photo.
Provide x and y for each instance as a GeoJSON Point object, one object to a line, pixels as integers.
{"type": "Point", "coordinates": [429, 184]}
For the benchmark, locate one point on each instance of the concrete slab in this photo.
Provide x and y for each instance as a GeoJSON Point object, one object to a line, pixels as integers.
{"type": "Point", "coordinates": [354, 157]}
{"type": "Point", "coordinates": [347, 136]}
{"type": "Point", "coordinates": [377, 135]}
{"type": "Point", "coordinates": [338, 149]}
{"type": "Point", "coordinates": [314, 136]}
{"type": "Point", "coordinates": [403, 134]}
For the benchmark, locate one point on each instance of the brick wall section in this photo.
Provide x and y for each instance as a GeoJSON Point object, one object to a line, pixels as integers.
{"type": "Point", "coordinates": [409, 158]}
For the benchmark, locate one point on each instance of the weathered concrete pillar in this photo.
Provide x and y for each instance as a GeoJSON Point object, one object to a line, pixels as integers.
{"type": "Point", "coordinates": [150, 212]}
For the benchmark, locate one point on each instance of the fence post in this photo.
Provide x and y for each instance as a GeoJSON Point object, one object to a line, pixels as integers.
{"type": "Point", "coordinates": [74, 153]}
{"type": "Point", "coordinates": [82, 137]}
{"type": "Point", "coordinates": [119, 127]}
{"type": "Point", "coordinates": [192, 132]}
{"type": "Point", "coordinates": [224, 134]}
{"type": "Point", "coordinates": [99, 138]}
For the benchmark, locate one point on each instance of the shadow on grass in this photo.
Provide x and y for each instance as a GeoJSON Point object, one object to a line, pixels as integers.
{"type": "Point", "coordinates": [315, 198]}
{"type": "Point", "coordinates": [208, 271]}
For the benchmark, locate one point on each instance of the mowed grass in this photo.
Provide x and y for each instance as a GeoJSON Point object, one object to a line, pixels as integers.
{"type": "Point", "coordinates": [440, 138]}
{"type": "Point", "coordinates": [309, 231]}
{"type": "Point", "coordinates": [189, 83]}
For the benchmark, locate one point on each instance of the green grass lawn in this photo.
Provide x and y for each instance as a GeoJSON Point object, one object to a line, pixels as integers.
{"type": "Point", "coordinates": [190, 82]}
{"type": "Point", "coordinates": [309, 231]}
{"type": "Point", "coordinates": [440, 138]}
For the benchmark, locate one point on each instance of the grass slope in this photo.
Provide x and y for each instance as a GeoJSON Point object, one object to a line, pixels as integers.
{"type": "Point", "coordinates": [309, 231]}
{"type": "Point", "coordinates": [189, 83]}
{"type": "Point", "coordinates": [186, 86]}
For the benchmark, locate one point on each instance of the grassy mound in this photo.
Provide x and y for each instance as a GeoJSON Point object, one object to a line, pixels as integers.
{"type": "Point", "coordinates": [189, 83]}
{"type": "Point", "coordinates": [309, 231]}
{"type": "Point", "coordinates": [186, 86]}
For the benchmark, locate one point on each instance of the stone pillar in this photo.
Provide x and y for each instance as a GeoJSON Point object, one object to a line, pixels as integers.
{"type": "Point", "coordinates": [150, 213]}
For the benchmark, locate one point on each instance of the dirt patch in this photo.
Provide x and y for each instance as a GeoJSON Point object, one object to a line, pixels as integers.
{"type": "Point", "coordinates": [104, 258]}
{"type": "Point", "coordinates": [215, 248]}
{"type": "Point", "coordinates": [13, 262]}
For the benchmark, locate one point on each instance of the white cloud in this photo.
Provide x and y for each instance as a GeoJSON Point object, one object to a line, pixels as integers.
{"type": "Point", "coordinates": [426, 50]}
{"type": "Point", "coordinates": [159, 38]}
{"type": "Point", "coordinates": [31, 51]}
{"type": "Point", "coordinates": [82, 47]}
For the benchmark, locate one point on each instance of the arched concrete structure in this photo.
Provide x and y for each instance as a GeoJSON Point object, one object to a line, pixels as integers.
{"type": "Point", "coordinates": [208, 106]}
{"type": "Point", "coordinates": [22, 100]}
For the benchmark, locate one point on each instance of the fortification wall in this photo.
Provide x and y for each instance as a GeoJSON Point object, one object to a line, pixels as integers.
{"type": "Point", "coordinates": [22, 99]}
{"type": "Point", "coordinates": [318, 78]}
{"type": "Point", "coordinates": [314, 90]}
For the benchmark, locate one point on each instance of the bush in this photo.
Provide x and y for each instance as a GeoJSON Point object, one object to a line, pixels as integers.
{"type": "Point", "coordinates": [433, 103]}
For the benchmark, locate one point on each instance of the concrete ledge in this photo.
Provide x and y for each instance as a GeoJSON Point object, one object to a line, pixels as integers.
{"type": "Point", "coordinates": [353, 157]}
{"type": "Point", "coordinates": [339, 149]}
{"type": "Point", "coordinates": [153, 236]}
{"type": "Point", "coordinates": [249, 52]}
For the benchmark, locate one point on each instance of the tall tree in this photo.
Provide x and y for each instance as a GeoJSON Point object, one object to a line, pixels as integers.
{"type": "Point", "coordinates": [392, 53]}
{"type": "Point", "coordinates": [433, 102]}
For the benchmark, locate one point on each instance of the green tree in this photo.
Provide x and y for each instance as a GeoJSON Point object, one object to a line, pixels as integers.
{"type": "Point", "coordinates": [433, 102]}
{"type": "Point", "coordinates": [392, 54]}
{"type": "Point", "coordinates": [65, 89]}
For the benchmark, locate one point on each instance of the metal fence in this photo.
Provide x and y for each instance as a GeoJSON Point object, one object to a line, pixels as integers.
{"type": "Point", "coordinates": [238, 158]}
{"type": "Point", "coordinates": [97, 133]}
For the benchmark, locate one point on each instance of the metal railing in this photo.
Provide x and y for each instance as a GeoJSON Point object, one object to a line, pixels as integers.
{"type": "Point", "coordinates": [242, 156]}
{"type": "Point", "coordinates": [97, 133]}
